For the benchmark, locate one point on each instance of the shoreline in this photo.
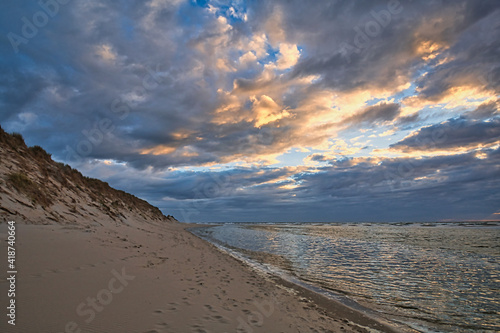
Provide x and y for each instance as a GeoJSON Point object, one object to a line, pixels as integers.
{"type": "Point", "coordinates": [331, 304]}
{"type": "Point", "coordinates": [153, 278]}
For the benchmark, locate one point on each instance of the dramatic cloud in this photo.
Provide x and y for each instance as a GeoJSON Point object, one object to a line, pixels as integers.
{"type": "Point", "coordinates": [464, 132]}
{"type": "Point", "coordinates": [303, 107]}
{"type": "Point", "coordinates": [375, 114]}
{"type": "Point", "coordinates": [453, 133]}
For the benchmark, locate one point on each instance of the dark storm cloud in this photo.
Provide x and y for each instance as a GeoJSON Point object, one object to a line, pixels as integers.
{"type": "Point", "coordinates": [182, 185]}
{"type": "Point", "coordinates": [484, 111]}
{"type": "Point", "coordinates": [474, 51]}
{"type": "Point", "coordinates": [453, 133]}
{"type": "Point", "coordinates": [149, 67]}
{"type": "Point", "coordinates": [344, 55]}
{"type": "Point", "coordinates": [387, 58]}
{"type": "Point", "coordinates": [17, 90]}
{"type": "Point", "coordinates": [375, 114]}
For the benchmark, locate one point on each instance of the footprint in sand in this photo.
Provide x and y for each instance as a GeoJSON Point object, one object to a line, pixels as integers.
{"type": "Point", "coordinates": [172, 306]}
{"type": "Point", "coordinates": [210, 308]}
{"type": "Point", "coordinates": [194, 291]}
{"type": "Point", "coordinates": [220, 319]}
{"type": "Point", "coordinates": [199, 329]}
{"type": "Point", "coordinates": [161, 325]}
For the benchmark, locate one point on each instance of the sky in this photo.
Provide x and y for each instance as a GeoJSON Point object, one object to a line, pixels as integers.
{"type": "Point", "coordinates": [265, 111]}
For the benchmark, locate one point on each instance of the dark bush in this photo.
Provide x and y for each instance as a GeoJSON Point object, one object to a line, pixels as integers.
{"type": "Point", "coordinates": [20, 181]}
{"type": "Point", "coordinates": [18, 137]}
{"type": "Point", "coordinates": [40, 152]}
{"type": "Point", "coordinates": [24, 185]}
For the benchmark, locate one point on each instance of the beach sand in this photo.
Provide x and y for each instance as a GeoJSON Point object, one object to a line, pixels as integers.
{"type": "Point", "coordinates": [154, 278]}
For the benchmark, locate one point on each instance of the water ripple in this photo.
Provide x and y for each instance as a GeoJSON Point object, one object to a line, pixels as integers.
{"type": "Point", "coordinates": [444, 277]}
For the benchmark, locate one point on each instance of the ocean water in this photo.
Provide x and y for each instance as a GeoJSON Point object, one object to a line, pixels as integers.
{"type": "Point", "coordinates": [433, 277]}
